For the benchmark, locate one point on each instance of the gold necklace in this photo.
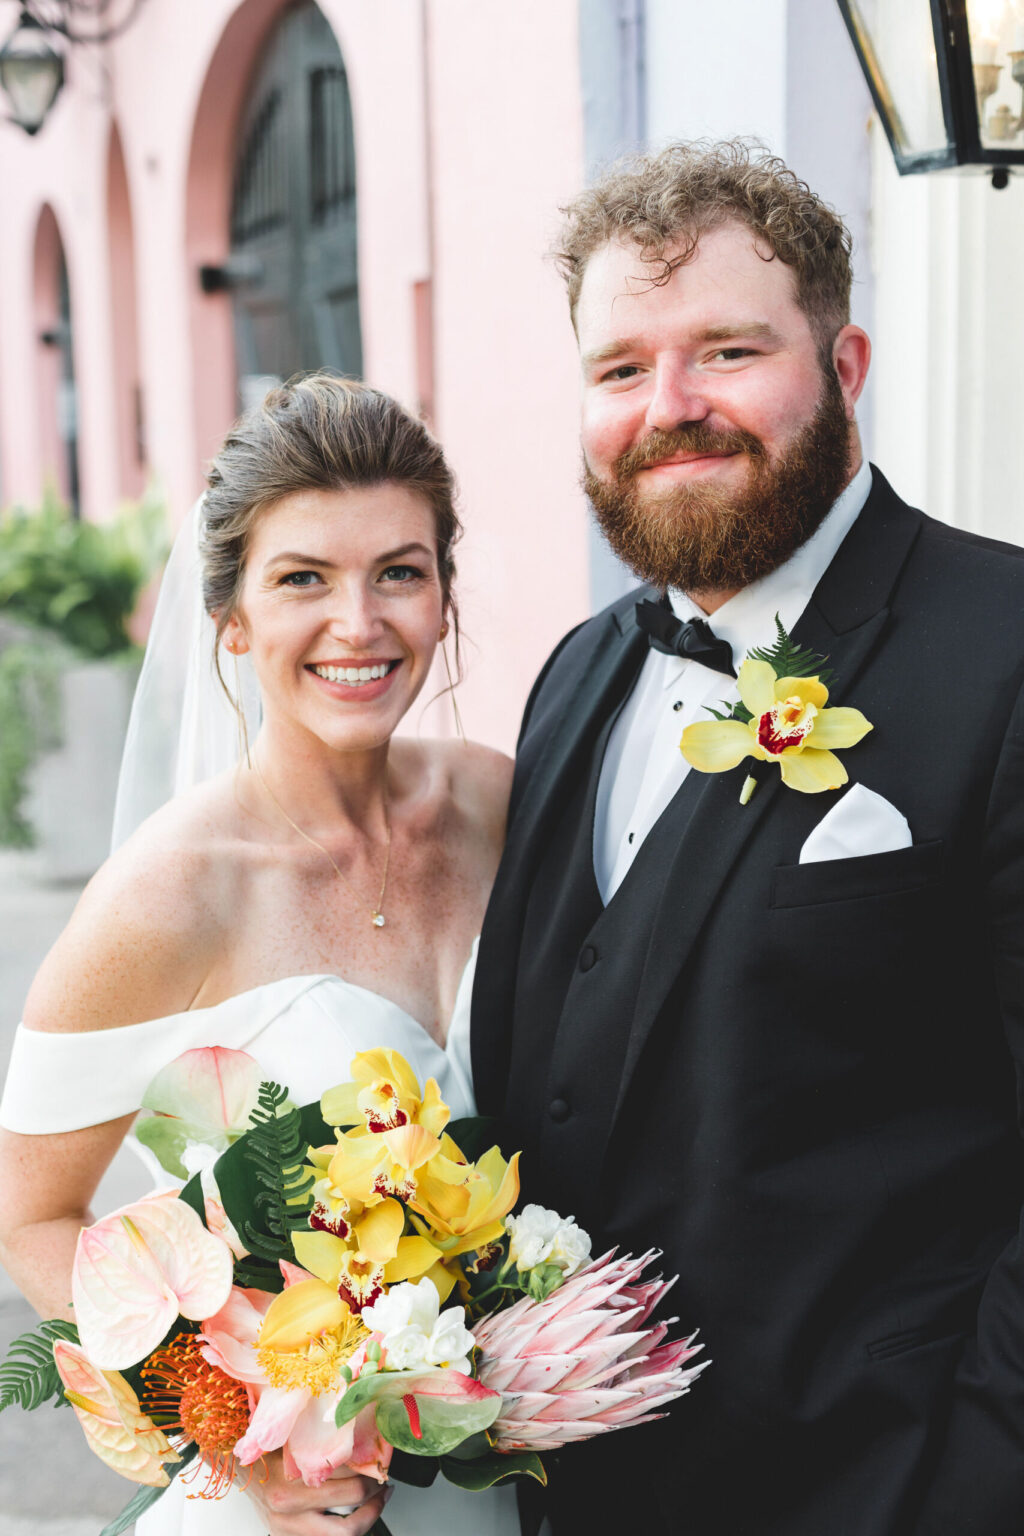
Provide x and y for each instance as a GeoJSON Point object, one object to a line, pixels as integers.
{"type": "Point", "coordinates": [377, 912]}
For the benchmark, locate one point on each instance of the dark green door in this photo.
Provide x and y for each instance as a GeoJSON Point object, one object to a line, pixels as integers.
{"type": "Point", "coordinates": [293, 215]}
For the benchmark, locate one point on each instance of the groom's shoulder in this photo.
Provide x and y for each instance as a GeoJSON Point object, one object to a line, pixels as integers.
{"type": "Point", "coordinates": [971, 553]}
{"type": "Point", "coordinates": [932, 574]}
{"type": "Point", "coordinates": [570, 661]}
{"type": "Point", "coordinates": [958, 552]}
{"type": "Point", "coordinates": [577, 646]}
{"type": "Point", "coordinates": [973, 580]}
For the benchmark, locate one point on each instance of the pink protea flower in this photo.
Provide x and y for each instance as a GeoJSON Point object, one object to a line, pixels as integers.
{"type": "Point", "coordinates": [582, 1361]}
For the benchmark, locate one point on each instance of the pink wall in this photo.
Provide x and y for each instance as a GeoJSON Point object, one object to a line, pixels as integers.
{"type": "Point", "coordinates": [468, 134]}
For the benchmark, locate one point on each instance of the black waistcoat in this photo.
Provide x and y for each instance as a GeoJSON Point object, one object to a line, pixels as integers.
{"type": "Point", "coordinates": [580, 969]}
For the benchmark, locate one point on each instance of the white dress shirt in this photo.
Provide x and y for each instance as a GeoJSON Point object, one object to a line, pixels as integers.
{"type": "Point", "coordinates": [643, 766]}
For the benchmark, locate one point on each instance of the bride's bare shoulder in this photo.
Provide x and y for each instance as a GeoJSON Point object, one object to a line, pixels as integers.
{"type": "Point", "coordinates": [477, 778]}
{"type": "Point", "coordinates": [150, 922]}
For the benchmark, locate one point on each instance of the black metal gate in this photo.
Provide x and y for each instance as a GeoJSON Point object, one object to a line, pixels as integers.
{"type": "Point", "coordinates": [293, 214]}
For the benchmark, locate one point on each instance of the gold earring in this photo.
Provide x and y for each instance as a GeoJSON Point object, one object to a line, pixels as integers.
{"type": "Point", "coordinates": [444, 631]}
{"type": "Point", "coordinates": [243, 729]}
{"type": "Point", "coordinates": [451, 689]}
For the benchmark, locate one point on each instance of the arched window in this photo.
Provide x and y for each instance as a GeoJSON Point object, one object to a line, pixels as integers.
{"type": "Point", "coordinates": [293, 212]}
{"type": "Point", "coordinates": [57, 399]}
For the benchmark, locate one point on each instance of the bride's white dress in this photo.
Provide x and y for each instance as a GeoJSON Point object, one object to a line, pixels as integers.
{"type": "Point", "coordinates": [304, 1031]}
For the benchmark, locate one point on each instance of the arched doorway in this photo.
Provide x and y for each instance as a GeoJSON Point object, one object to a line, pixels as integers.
{"type": "Point", "coordinates": [292, 267]}
{"type": "Point", "coordinates": [57, 399]}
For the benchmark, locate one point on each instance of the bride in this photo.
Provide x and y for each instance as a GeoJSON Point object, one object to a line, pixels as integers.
{"type": "Point", "coordinates": [319, 899]}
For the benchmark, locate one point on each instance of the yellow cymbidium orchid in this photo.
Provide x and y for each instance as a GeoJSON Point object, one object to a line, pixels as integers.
{"type": "Point", "coordinates": [462, 1206]}
{"type": "Point", "coordinates": [384, 1096]}
{"type": "Point", "coordinates": [355, 1266]}
{"type": "Point", "coordinates": [790, 725]}
{"type": "Point", "coordinates": [370, 1168]}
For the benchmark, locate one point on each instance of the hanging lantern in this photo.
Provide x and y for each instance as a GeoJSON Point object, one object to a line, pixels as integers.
{"type": "Point", "coordinates": [31, 73]}
{"type": "Point", "coordinates": [947, 78]}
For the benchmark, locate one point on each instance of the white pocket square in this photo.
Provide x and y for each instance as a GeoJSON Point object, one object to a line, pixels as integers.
{"type": "Point", "coordinates": [861, 822]}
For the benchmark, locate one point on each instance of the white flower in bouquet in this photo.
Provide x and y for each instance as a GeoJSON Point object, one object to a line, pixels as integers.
{"type": "Point", "coordinates": [539, 1236]}
{"type": "Point", "coordinates": [451, 1341]}
{"type": "Point", "coordinates": [199, 1156]}
{"type": "Point", "coordinates": [570, 1249]}
{"type": "Point", "coordinates": [415, 1333]}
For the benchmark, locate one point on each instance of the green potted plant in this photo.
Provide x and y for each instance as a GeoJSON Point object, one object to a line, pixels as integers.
{"type": "Point", "coordinates": [68, 665]}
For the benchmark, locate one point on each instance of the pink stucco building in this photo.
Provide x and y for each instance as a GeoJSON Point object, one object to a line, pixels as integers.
{"type": "Point", "coordinates": [235, 190]}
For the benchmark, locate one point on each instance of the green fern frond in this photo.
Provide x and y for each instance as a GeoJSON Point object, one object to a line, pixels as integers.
{"type": "Point", "coordinates": [785, 660]}
{"type": "Point", "coordinates": [736, 712]}
{"type": "Point", "coordinates": [28, 1377]}
{"type": "Point", "coordinates": [275, 1149]}
{"type": "Point", "coordinates": [789, 660]}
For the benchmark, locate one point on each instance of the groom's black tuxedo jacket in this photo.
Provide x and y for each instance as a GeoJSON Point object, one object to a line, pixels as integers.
{"type": "Point", "coordinates": [800, 1081]}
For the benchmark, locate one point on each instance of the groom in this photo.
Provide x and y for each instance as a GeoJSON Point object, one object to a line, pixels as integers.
{"type": "Point", "coordinates": [779, 1040]}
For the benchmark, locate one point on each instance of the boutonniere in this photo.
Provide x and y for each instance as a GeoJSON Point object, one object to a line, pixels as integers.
{"type": "Point", "coordinates": [781, 718]}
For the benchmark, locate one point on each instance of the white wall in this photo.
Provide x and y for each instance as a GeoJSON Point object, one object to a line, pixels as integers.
{"type": "Point", "coordinates": [950, 307]}
{"type": "Point", "coordinates": [781, 71]}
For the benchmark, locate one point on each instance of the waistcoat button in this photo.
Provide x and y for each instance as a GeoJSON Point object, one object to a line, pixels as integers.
{"type": "Point", "coordinates": [588, 957]}
{"type": "Point", "coordinates": [559, 1111]}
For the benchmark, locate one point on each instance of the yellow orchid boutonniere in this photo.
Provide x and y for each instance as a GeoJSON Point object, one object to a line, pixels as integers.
{"type": "Point", "coordinates": [781, 718]}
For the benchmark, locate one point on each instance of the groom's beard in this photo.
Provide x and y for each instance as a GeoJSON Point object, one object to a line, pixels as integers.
{"type": "Point", "coordinates": [705, 538]}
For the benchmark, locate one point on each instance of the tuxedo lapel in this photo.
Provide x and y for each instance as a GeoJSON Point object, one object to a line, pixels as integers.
{"type": "Point", "coordinates": [563, 733]}
{"type": "Point", "coordinates": [566, 732]}
{"type": "Point", "coordinates": [844, 620]}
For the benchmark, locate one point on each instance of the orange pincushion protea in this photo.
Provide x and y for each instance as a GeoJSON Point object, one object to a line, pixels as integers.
{"type": "Point", "coordinates": [198, 1403]}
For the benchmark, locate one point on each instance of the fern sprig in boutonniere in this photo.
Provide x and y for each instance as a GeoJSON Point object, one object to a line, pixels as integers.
{"type": "Point", "coordinates": [781, 717]}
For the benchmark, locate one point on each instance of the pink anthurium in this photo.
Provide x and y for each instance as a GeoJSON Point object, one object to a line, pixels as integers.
{"type": "Point", "coordinates": [140, 1268]}
{"type": "Point", "coordinates": [202, 1101]}
{"type": "Point", "coordinates": [117, 1430]}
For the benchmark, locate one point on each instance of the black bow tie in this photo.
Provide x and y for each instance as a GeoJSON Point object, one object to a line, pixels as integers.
{"type": "Point", "coordinates": [693, 639]}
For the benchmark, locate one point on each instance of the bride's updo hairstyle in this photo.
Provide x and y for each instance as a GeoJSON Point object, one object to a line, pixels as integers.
{"type": "Point", "coordinates": [318, 433]}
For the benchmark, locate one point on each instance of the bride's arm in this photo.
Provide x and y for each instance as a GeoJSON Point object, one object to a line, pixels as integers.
{"type": "Point", "coordinates": [134, 949]}
{"type": "Point", "coordinates": [46, 1184]}
{"type": "Point", "coordinates": [138, 947]}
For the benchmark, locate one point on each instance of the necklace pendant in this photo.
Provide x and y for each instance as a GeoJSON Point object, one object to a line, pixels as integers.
{"type": "Point", "coordinates": [377, 919]}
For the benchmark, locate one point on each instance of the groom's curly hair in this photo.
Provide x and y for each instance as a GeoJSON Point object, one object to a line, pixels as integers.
{"type": "Point", "coordinates": [669, 199]}
{"type": "Point", "coordinates": [316, 432]}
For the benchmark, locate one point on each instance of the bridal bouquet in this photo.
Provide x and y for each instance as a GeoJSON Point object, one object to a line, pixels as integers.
{"type": "Point", "coordinates": [343, 1282]}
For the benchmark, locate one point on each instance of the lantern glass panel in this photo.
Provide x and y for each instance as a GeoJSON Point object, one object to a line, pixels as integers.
{"type": "Point", "coordinates": [899, 46]}
{"type": "Point", "coordinates": [31, 74]}
{"type": "Point", "coordinates": [997, 59]}
{"type": "Point", "coordinates": [31, 86]}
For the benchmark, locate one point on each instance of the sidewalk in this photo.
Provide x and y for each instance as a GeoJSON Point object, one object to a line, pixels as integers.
{"type": "Point", "coordinates": [50, 1482]}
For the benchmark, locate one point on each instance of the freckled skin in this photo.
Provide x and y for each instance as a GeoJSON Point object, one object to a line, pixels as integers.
{"type": "Point", "coordinates": [217, 893]}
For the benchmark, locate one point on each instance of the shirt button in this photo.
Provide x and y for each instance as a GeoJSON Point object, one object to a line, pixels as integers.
{"type": "Point", "coordinates": [629, 839]}
{"type": "Point", "coordinates": [588, 957]}
{"type": "Point", "coordinates": [559, 1111]}
{"type": "Point", "coordinates": [677, 706]}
